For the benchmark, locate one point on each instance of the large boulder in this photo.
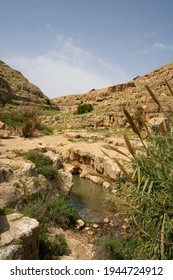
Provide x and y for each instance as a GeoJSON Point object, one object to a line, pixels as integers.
{"type": "Point", "coordinates": [18, 237]}
{"type": "Point", "coordinates": [29, 169]}
{"type": "Point", "coordinates": [66, 180]}
{"type": "Point", "coordinates": [161, 123]}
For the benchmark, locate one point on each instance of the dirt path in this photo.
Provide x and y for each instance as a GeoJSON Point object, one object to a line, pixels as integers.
{"type": "Point", "coordinates": [80, 245]}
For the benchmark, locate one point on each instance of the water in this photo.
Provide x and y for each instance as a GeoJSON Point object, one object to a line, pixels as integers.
{"type": "Point", "coordinates": [90, 200]}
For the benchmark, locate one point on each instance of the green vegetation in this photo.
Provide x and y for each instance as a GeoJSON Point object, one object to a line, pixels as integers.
{"type": "Point", "coordinates": [148, 192]}
{"type": "Point", "coordinates": [51, 210]}
{"type": "Point", "coordinates": [43, 164]}
{"type": "Point", "coordinates": [52, 248]}
{"type": "Point", "coordinates": [118, 249]}
{"type": "Point", "coordinates": [84, 108]}
{"type": "Point", "coordinates": [26, 120]}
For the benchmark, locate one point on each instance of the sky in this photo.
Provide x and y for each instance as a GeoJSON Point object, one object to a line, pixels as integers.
{"type": "Point", "coordinates": [72, 46]}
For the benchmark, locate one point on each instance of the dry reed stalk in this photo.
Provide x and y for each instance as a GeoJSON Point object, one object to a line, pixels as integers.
{"type": "Point", "coordinates": [162, 237]}
{"type": "Point", "coordinates": [153, 96]}
{"type": "Point", "coordinates": [134, 127]}
{"type": "Point", "coordinates": [129, 146]}
{"type": "Point", "coordinates": [131, 122]}
{"type": "Point", "coordinates": [169, 87]}
{"type": "Point", "coordinates": [144, 123]}
{"type": "Point", "coordinates": [127, 175]}
{"type": "Point", "coordinates": [110, 147]}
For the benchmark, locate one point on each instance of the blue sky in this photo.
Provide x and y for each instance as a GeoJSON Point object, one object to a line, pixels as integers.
{"type": "Point", "coordinates": [73, 46]}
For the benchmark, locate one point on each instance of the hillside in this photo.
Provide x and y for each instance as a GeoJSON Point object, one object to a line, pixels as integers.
{"type": "Point", "coordinates": [109, 102]}
{"type": "Point", "coordinates": [17, 90]}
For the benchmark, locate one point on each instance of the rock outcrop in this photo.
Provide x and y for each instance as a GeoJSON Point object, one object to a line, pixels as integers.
{"type": "Point", "coordinates": [18, 237]}
{"type": "Point", "coordinates": [82, 160]}
{"type": "Point", "coordinates": [14, 87]}
{"type": "Point", "coordinates": [108, 103]}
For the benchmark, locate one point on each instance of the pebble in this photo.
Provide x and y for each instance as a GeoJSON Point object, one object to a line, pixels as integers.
{"type": "Point", "coordinates": [95, 225]}
{"type": "Point", "coordinates": [106, 220]}
{"type": "Point", "coordinates": [90, 232]}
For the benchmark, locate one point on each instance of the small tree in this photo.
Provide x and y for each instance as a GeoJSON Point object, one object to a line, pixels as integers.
{"type": "Point", "coordinates": [84, 108]}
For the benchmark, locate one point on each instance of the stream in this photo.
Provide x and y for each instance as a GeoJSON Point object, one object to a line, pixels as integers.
{"type": "Point", "coordinates": [90, 200]}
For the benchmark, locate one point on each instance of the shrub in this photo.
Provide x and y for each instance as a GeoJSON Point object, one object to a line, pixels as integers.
{"type": "Point", "coordinates": [119, 249]}
{"type": "Point", "coordinates": [50, 172]}
{"type": "Point", "coordinates": [43, 164]}
{"type": "Point", "coordinates": [38, 158]}
{"type": "Point", "coordinates": [52, 248]}
{"type": "Point", "coordinates": [26, 118]}
{"type": "Point", "coordinates": [51, 210]}
{"type": "Point", "coordinates": [84, 108]}
{"type": "Point", "coordinates": [30, 125]}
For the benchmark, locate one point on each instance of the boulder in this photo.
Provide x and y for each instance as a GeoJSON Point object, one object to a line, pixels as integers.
{"type": "Point", "coordinates": [161, 123]}
{"type": "Point", "coordinates": [5, 133]}
{"type": "Point", "coordinates": [57, 161]}
{"type": "Point", "coordinates": [18, 237]}
{"type": "Point", "coordinates": [29, 169]}
{"type": "Point", "coordinates": [80, 224]}
{"type": "Point", "coordinates": [66, 180]}
{"type": "Point", "coordinates": [2, 125]}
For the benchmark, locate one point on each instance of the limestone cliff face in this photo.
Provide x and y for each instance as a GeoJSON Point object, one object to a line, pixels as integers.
{"type": "Point", "coordinates": [109, 102]}
{"type": "Point", "coordinates": [14, 87]}
{"type": "Point", "coordinates": [18, 237]}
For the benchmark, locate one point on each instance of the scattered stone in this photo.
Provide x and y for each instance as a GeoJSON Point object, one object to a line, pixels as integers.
{"type": "Point", "coordinates": [125, 227]}
{"type": "Point", "coordinates": [111, 224]}
{"type": "Point", "coordinates": [87, 228]}
{"type": "Point", "coordinates": [106, 220]}
{"type": "Point", "coordinates": [90, 232]}
{"type": "Point", "coordinates": [80, 224]}
{"type": "Point", "coordinates": [95, 226]}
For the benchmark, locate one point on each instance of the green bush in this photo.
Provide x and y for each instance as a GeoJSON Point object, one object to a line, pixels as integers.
{"type": "Point", "coordinates": [84, 108]}
{"type": "Point", "coordinates": [51, 210]}
{"type": "Point", "coordinates": [52, 248]}
{"type": "Point", "coordinates": [118, 249]}
{"type": "Point", "coordinates": [43, 164]}
{"type": "Point", "coordinates": [148, 190]}
{"type": "Point", "coordinates": [38, 158]}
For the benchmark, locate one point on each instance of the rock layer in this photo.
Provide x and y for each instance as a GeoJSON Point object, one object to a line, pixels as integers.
{"type": "Point", "coordinates": [18, 237]}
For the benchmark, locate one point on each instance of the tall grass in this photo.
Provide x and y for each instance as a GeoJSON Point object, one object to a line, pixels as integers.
{"type": "Point", "coordinates": [149, 193]}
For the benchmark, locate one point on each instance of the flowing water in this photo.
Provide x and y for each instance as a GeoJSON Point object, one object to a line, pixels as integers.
{"type": "Point", "coordinates": [90, 200]}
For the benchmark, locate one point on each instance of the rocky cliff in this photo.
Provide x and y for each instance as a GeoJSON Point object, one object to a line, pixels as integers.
{"type": "Point", "coordinates": [109, 102]}
{"type": "Point", "coordinates": [16, 89]}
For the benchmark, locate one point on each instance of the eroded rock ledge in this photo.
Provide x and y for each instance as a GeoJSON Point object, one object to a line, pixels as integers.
{"type": "Point", "coordinates": [18, 237]}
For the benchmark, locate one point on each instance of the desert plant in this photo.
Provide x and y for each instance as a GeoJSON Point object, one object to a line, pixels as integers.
{"type": "Point", "coordinates": [52, 248]}
{"type": "Point", "coordinates": [43, 163]}
{"type": "Point", "coordinates": [148, 192]}
{"type": "Point", "coordinates": [118, 249]}
{"type": "Point", "coordinates": [51, 210]}
{"type": "Point", "coordinates": [84, 108]}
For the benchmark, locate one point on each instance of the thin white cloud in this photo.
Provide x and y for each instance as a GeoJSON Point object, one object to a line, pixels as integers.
{"type": "Point", "coordinates": [67, 70]}
{"type": "Point", "coordinates": [157, 46]}
{"type": "Point", "coordinates": [163, 46]}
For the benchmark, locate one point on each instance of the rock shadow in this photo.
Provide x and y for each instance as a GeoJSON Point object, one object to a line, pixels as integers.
{"type": "Point", "coordinates": [4, 224]}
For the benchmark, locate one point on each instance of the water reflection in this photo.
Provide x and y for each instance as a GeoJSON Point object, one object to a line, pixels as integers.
{"type": "Point", "coordinates": [90, 200]}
